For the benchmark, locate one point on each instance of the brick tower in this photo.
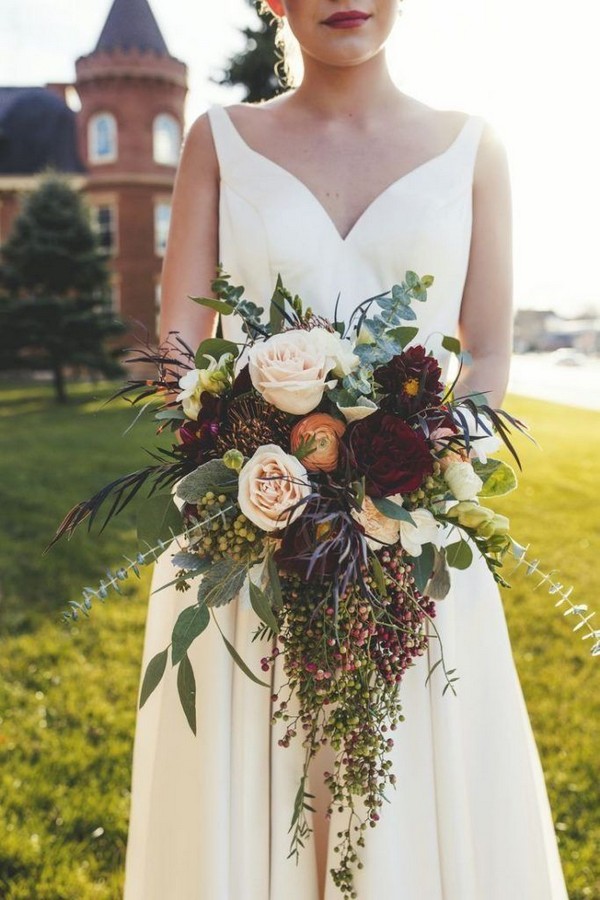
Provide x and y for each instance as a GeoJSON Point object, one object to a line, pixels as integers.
{"type": "Point", "coordinates": [132, 94]}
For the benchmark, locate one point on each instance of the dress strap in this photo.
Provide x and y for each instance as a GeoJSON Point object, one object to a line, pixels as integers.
{"type": "Point", "coordinates": [467, 143]}
{"type": "Point", "coordinates": [223, 137]}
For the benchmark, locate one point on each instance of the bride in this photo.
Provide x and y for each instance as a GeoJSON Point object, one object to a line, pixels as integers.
{"type": "Point", "coordinates": [341, 185]}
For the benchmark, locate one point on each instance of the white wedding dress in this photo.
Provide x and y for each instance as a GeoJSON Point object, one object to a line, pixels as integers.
{"type": "Point", "coordinates": [470, 818]}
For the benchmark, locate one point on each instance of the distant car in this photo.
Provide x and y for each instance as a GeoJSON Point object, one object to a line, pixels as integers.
{"type": "Point", "coordinates": [566, 356]}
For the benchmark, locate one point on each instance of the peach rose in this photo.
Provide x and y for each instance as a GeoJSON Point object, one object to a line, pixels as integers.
{"type": "Point", "coordinates": [379, 529]}
{"type": "Point", "coordinates": [272, 482]}
{"type": "Point", "coordinates": [290, 370]}
{"type": "Point", "coordinates": [325, 432]}
{"type": "Point", "coordinates": [450, 457]}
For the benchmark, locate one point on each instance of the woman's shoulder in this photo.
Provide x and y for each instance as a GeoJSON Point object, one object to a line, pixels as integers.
{"type": "Point", "coordinates": [491, 150]}
{"type": "Point", "coordinates": [199, 145]}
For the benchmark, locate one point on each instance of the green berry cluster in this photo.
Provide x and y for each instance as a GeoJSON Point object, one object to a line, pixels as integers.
{"type": "Point", "coordinates": [428, 495]}
{"type": "Point", "coordinates": [226, 532]}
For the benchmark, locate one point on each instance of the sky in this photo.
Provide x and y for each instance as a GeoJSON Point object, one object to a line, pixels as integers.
{"type": "Point", "coordinates": [530, 67]}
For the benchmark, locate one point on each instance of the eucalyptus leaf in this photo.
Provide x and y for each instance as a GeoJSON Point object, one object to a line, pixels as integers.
{"type": "Point", "coordinates": [400, 294]}
{"type": "Point", "coordinates": [405, 313]}
{"type": "Point", "coordinates": [186, 688]}
{"type": "Point", "coordinates": [214, 347]}
{"type": "Point", "coordinates": [154, 672]}
{"type": "Point", "coordinates": [392, 510]}
{"type": "Point", "coordinates": [158, 519]}
{"type": "Point", "coordinates": [459, 555]}
{"type": "Point", "coordinates": [211, 476]}
{"type": "Point", "coordinates": [190, 623]}
{"type": "Point", "coordinates": [423, 567]}
{"type": "Point", "coordinates": [404, 334]}
{"type": "Point", "coordinates": [222, 582]}
{"type": "Point", "coordinates": [219, 305]}
{"type": "Point", "coordinates": [262, 607]}
{"type": "Point", "coordinates": [497, 476]}
{"type": "Point", "coordinates": [451, 344]}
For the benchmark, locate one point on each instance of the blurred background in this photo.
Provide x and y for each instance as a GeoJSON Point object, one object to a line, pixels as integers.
{"type": "Point", "coordinates": [95, 101]}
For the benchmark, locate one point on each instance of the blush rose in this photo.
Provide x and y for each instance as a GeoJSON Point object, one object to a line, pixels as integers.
{"type": "Point", "coordinates": [271, 483]}
{"type": "Point", "coordinates": [290, 370]}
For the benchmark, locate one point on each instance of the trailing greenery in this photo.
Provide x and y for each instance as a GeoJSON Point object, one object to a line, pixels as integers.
{"type": "Point", "coordinates": [68, 694]}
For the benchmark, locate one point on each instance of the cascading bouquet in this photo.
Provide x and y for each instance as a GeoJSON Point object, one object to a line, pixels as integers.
{"type": "Point", "coordinates": [324, 467]}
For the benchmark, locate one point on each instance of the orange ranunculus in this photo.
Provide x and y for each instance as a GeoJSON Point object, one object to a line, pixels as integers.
{"type": "Point", "coordinates": [326, 433]}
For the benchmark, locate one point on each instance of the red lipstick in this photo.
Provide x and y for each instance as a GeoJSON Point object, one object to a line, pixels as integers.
{"type": "Point", "coordinates": [350, 18]}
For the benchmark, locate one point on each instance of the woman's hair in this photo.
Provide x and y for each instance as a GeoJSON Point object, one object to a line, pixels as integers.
{"type": "Point", "coordinates": [288, 68]}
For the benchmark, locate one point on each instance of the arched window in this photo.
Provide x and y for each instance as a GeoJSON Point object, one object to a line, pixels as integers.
{"type": "Point", "coordinates": [162, 220]}
{"type": "Point", "coordinates": [166, 134]}
{"type": "Point", "coordinates": [102, 138]}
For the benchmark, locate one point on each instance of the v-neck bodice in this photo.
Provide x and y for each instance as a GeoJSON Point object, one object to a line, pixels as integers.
{"type": "Point", "coordinates": [271, 223]}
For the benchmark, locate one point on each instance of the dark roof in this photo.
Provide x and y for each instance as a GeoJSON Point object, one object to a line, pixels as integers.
{"type": "Point", "coordinates": [8, 95]}
{"type": "Point", "coordinates": [37, 131]}
{"type": "Point", "coordinates": [131, 25]}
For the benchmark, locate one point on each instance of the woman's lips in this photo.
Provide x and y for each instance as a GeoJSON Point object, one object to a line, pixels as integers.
{"type": "Point", "coordinates": [349, 19]}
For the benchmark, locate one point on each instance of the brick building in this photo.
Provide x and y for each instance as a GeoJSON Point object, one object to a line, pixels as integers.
{"type": "Point", "coordinates": [116, 132]}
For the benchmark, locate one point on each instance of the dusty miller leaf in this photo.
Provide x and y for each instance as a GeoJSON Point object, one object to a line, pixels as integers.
{"type": "Point", "coordinates": [222, 582]}
{"type": "Point", "coordinates": [211, 476]}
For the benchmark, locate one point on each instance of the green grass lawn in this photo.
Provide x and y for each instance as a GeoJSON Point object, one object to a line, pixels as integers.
{"type": "Point", "coordinates": [68, 693]}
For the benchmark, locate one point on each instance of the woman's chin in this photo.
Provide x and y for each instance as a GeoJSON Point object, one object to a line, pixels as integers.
{"type": "Point", "coordinates": [344, 54]}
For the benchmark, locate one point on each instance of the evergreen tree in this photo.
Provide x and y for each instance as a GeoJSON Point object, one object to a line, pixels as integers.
{"type": "Point", "coordinates": [55, 308]}
{"type": "Point", "coordinates": [254, 66]}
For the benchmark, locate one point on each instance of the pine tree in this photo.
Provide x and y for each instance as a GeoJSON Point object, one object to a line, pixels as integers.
{"type": "Point", "coordinates": [55, 308]}
{"type": "Point", "coordinates": [254, 66]}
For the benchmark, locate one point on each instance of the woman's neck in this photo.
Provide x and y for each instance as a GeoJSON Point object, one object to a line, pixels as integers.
{"type": "Point", "coordinates": [362, 91]}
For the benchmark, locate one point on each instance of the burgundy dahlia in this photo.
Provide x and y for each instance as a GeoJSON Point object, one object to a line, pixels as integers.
{"type": "Point", "coordinates": [393, 457]}
{"type": "Point", "coordinates": [242, 383]}
{"type": "Point", "coordinates": [410, 382]}
{"type": "Point", "coordinates": [198, 438]}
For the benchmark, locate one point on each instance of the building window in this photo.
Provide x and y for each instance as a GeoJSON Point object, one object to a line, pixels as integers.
{"type": "Point", "coordinates": [104, 223]}
{"type": "Point", "coordinates": [166, 139]}
{"type": "Point", "coordinates": [102, 138]}
{"type": "Point", "coordinates": [162, 219]}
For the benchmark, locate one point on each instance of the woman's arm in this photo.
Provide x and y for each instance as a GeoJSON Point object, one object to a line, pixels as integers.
{"type": "Point", "coordinates": [485, 326]}
{"type": "Point", "coordinates": [192, 248]}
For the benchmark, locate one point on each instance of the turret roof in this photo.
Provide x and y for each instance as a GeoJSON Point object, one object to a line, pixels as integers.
{"type": "Point", "coordinates": [131, 25]}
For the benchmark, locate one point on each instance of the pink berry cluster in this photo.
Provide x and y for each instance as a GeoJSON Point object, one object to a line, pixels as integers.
{"type": "Point", "coordinates": [399, 634]}
{"type": "Point", "coordinates": [343, 675]}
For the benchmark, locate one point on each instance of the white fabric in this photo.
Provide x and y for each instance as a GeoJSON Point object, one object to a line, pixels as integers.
{"type": "Point", "coordinates": [470, 818]}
